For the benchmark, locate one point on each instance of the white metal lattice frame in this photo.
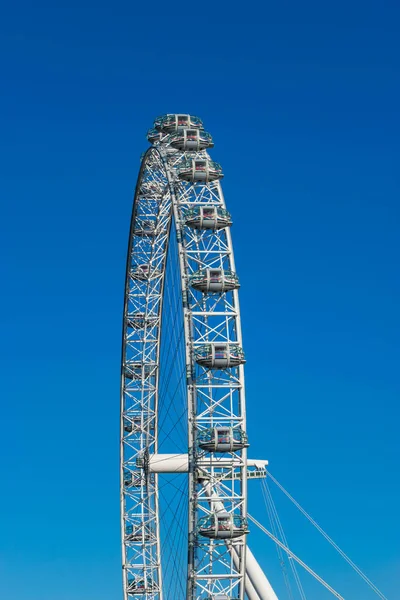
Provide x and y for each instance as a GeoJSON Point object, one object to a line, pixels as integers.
{"type": "Point", "coordinates": [215, 398]}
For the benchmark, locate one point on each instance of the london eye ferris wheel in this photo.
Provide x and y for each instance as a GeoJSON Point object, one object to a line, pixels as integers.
{"type": "Point", "coordinates": [184, 517]}
{"type": "Point", "coordinates": [182, 344]}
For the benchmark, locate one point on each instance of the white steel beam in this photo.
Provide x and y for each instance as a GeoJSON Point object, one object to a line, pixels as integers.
{"type": "Point", "coordinates": [256, 581]}
{"type": "Point", "coordinates": [179, 463]}
{"type": "Point", "coordinates": [258, 578]}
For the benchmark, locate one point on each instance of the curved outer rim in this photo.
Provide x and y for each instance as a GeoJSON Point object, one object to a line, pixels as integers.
{"type": "Point", "coordinates": [190, 367]}
{"type": "Point", "coordinates": [150, 151]}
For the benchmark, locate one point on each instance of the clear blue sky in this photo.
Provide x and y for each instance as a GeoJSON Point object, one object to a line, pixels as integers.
{"type": "Point", "coordinates": [303, 102]}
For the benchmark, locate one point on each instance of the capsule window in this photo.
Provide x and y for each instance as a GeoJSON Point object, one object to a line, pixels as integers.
{"type": "Point", "coordinates": [220, 349]}
{"type": "Point", "coordinates": [208, 212]}
{"type": "Point", "coordinates": [182, 120]}
{"type": "Point", "coordinates": [223, 432]}
{"type": "Point", "coordinates": [215, 274]}
{"type": "Point", "coordinates": [224, 523]}
{"type": "Point", "coordinates": [191, 134]}
{"type": "Point", "coordinates": [223, 436]}
{"type": "Point", "coordinates": [200, 165]}
{"type": "Point", "coordinates": [237, 435]}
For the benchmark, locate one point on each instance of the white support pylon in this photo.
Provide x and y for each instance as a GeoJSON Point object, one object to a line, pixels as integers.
{"type": "Point", "coordinates": [251, 592]}
{"type": "Point", "coordinates": [257, 585]}
{"type": "Point", "coordinates": [258, 578]}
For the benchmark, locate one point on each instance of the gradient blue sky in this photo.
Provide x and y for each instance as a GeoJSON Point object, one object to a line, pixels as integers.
{"type": "Point", "coordinates": [303, 102]}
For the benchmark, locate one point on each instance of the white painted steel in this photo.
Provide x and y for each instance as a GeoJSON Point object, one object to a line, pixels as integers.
{"type": "Point", "coordinates": [139, 394]}
{"type": "Point", "coordinates": [179, 463]}
{"type": "Point", "coordinates": [258, 578]}
{"type": "Point", "coordinates": [214, 398]}
{"type": "Point", "coordinates": [257, 585]}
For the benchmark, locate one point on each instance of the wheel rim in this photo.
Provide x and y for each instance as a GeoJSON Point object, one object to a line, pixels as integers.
{"type": "Point", "coordinates": [214, 391]}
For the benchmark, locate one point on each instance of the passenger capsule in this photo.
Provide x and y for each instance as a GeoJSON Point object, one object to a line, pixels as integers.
{"type": "Point", "coordinates": [139, 370]}
{"type": "Point", "coordinates": [145, 228]}
{"type": "Point", "coordinates": [133, 479]}
{"type": "Point", "coordinates": [151, 189]}
{"type": "Point", "coordinates": [138, 533]}
{"type": "Point", "coordinates": [154, 135]}
{"type": "Point", "coordinates": [140, 321]}
{"type": "Point", "coordinates": [132, 424]}
{"type": "Point", "coordinates": [222, 439]}
{"type": "Point", "coordinates": [141, 586]}
{"type": "Point", "coordinates": [190, 139]}
{"type": "Point", "coordinates": [208, 217]}
{"type": "Point", "coordinates": [144, 272]}
{"type": "Point", "coordinates": [214, 281]}
{"type": "Point", "coordinates": [199, 169]}
{"type": "Point", "coordinates": [175, 122]}
{"type": "Point", "coordinates": [219, 355]}
{"type": "Point", "coordinates": [222, 525]}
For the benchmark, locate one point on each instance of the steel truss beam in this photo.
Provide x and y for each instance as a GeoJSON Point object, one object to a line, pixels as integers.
{"type": "Point", "coordinates": [214, 398]}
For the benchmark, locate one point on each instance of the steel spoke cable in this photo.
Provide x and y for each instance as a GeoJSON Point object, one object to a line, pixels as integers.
{"type": "Point", "coordinates": [277, 528]}
{"type": "Point", "coordinates": [296, 558]}
{"type": "Point", "coordinates": [278, 548]}
{"type": "Point", "coordinates": [284, 539]}
{"type": "Point", "coordinates": [178, 490]}
{"type": "Point", "coordinates": [176, 518]}
{"type": "Point", "coordinates": [168, 397]}
{"type": "Point", "coordinates": [176, 543]}
{"type": "Point", "coordinates": [164, 385]}
{"type": "Point", "coordinates": [171, 358]}
{"type": "Point", "coordinates": [160, 487]}
{"type": "Point", "coordinates": [168, 434]}
{"type": "Point", "coordinates": [329, 539]}
{"type": "Point", "coordinates": [173, 307]}
{"type": "Point", "coordinates": [179, 369]}
{"type": "Point", "coordinates": [164, 388]}
{"type": "Point", "coordinates": [177, 424]}
{"type": "Point", "coordinates": [171, 405]}
{"type": "Point", "coordinates": [167, 394]}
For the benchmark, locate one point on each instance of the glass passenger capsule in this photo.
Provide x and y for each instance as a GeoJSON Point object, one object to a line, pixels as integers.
{"type": "Point", "coordinates": [214, 281]}
{"type": "Point", "coordinates": [208, 217]}
{"type": "Point", "coordinates": [190, 139]}
{"type": "Point", "coordinates": [143, 272]}
{"type": "Point", "coordinates": [222, 525]}
{"type": "Point", "coordinates": [199, 169]}
{"type": "Point", "coordinates": [150, 189]}
{"type": "Point", "coordinates": [139, 370]}
{"type": "Point", "coordinates": [132, 424]}
{"type": "Point", "coordinates": [154, 135]}
{"type": "Point", "coordinates": [219, 355]}
{"type": "Point", "coordinates": [145, 228]}
{"type": "Point", "coordinates": [141, 586]}
{"type": "Point", "coordinates": [175, 122]}
{"type": "Point", "coordinates": [137, 533]}
{"type": "Point", "coordinates": [222, 439]}
{"type": "Point", "coordinates": [135, 479]}
{"type": "Point", "coordinates": [140, 321]}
